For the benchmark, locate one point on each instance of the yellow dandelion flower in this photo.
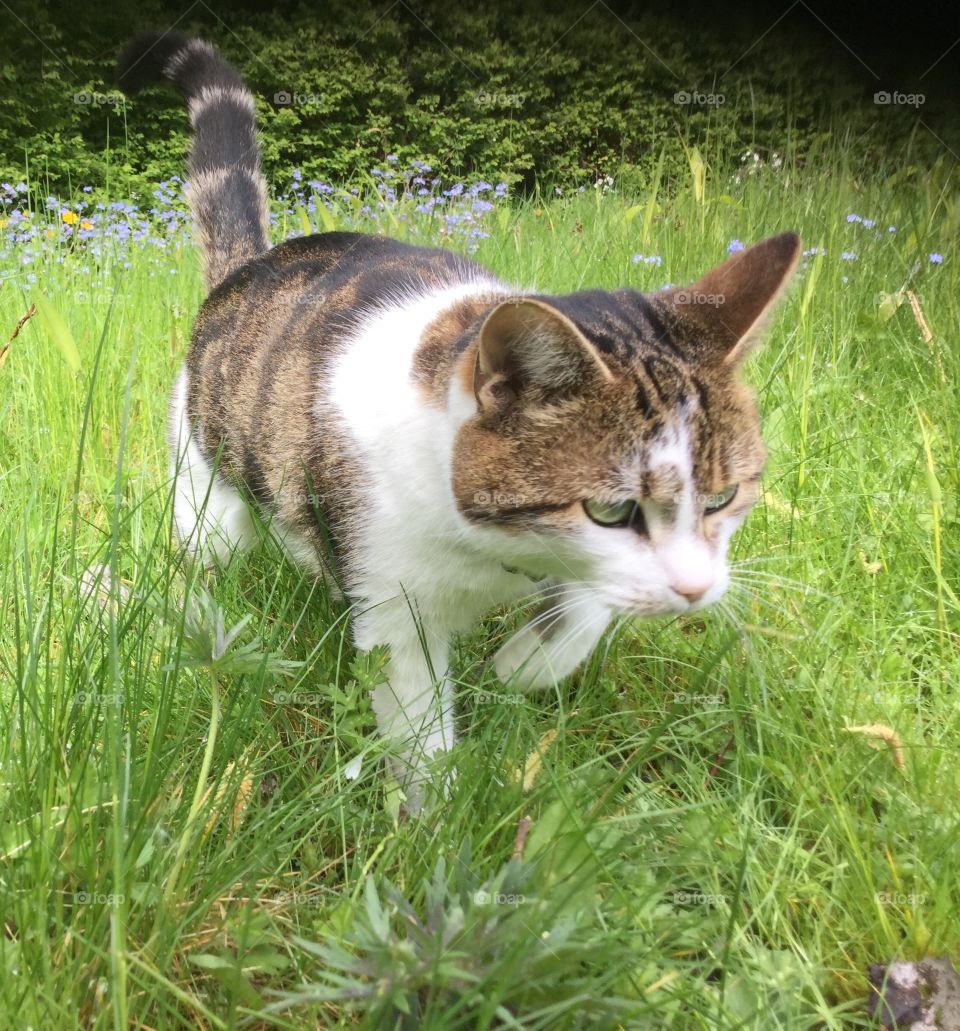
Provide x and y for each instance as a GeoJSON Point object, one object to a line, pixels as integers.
{"type": "Point", "coordinates": [70, 217]}
{"type": "Point", "coordinates": [86, 224]}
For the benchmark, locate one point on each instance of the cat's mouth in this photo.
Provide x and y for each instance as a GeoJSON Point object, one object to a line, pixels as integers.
{"type": "Point", "coordinates": [651, 605]}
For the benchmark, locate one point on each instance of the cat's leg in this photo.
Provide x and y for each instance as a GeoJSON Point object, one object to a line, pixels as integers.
{"type": "Point", "coordinates": [415, 706]}
{"type": "Point", "coordinates": [212, 519]}
{"type": "Point", "coordinates": [555, 641]}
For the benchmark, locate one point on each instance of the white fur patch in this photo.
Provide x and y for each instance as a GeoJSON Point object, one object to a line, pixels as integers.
{"type": "Point", "coordinates": [194, 46]}
{"type": "Point", "coordinates": [671, 567]}
{"type": "Point", "coordinates": [213, 94]}
{"type": "Point", "coordinates": [212, 519]}
{"type": "Point", "coordinates": [412, 540]}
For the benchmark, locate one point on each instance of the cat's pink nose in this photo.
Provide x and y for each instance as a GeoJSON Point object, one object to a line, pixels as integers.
{"type": "Point", "coordinates": [693, 589]}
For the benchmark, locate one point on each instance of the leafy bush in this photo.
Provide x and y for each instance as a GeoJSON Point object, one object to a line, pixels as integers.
{"type": "Point", "coordinates": [527, 94]}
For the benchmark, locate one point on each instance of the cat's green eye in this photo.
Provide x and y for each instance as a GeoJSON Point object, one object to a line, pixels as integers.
{"type": "Point", "coordinates": [605, 513]}
{"type": "Point", "coordinates": [715, 502]}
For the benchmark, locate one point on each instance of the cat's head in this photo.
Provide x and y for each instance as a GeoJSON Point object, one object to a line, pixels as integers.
{"type": "Point", "coordinates": [613, 442]}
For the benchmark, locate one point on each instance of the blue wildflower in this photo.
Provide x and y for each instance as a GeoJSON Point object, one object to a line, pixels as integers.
{"type": "Point", "coordinates": [848, 256]}
{"type": "Point", "coordinates": [936, 259]}
{"type": "Point", "coordinates": [734, 246]}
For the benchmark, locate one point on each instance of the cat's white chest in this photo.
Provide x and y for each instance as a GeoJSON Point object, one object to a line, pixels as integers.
{"type": "Point", "coordinates": [410, 539]}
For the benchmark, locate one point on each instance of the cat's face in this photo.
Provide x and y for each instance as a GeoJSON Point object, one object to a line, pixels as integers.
{"type": "Point", "coordinates": [614, 444]}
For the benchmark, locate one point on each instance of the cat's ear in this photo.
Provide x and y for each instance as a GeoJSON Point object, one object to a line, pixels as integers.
{"type": "Point", "coordinates": [528, 348]}
{"type": "Point", "coordinates": [723, 315]}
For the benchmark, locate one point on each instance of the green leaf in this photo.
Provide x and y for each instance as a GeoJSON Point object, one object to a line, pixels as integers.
{"type": "Point", "coordinates": [889, 303]}
{"type": "Point", "coordinates": [304, 220]}
{"type": "Point", "coordinates": [226, 970]}
{"type": "Point", "coordinates": [326, 217]}
{"type": "Point", "coordinates": [650, 207]}
{"type": "Point", "coordinates": [146, 854]}
{"type": "Point", "coordinates": [379, 920]}
{"type": "Point", "coordinates": [698, 171]}
{"type": "Point", "coordinates": [57, 330]}
{"type": "Point", "coordinates": [812, 277]}
{"type": "Point", "coordinates": [631, 213]}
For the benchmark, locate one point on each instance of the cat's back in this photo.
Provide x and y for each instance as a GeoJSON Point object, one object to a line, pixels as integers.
{"type": "Point", "coordinates": [278, 325]}
{"type": "Point", "coordinates": [307, 351]}
{"type": "Point", "coordinates": [308, 290]}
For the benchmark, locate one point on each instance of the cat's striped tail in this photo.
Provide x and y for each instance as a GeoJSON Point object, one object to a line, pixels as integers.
{"type": "Point", "coordinates": [225, 187]}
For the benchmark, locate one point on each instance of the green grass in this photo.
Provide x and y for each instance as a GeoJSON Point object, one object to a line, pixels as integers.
{"type": "Point", "coordinates": [709, 846]}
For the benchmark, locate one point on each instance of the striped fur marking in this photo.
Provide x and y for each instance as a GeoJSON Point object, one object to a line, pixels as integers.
{"type": "Point", "coordinates": [446, 442]}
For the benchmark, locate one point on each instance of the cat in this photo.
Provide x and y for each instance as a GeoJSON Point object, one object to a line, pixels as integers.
{"type": "Point", "coordinates": [435, 442]}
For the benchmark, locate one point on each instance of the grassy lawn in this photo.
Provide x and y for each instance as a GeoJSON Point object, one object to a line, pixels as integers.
{"type": "Point", "coordinates": [196, 831]}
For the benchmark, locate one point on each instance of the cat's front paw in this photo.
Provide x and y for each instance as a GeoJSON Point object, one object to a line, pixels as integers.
{"type": "Point", "coordinates": [552, 645]}
{"type": "Point", "coordinates": [524, 663]}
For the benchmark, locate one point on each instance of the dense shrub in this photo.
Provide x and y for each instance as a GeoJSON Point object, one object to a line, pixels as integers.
{"type": "Point", "coordinates": [529, 94]}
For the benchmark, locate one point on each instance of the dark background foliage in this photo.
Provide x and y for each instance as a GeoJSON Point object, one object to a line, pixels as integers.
{"type": "Point", "coordinates": [534, 93]}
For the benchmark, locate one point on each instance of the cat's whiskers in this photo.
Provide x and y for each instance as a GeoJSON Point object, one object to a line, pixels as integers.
{"type": "Point", "coordinates": [742, 570]}
{"type": "Point", "coordinates": [749, 597]}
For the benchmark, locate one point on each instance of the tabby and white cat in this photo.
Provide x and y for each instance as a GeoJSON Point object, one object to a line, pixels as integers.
{"type": "Point", "coordinates": [455, 443]}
